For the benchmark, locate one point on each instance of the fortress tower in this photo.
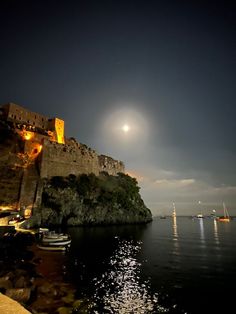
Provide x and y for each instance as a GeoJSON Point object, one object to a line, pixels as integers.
{"type": "Point", "coordinates": [26, 120]}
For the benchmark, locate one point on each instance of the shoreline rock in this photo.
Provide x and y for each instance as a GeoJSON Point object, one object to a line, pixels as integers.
{"type": "Point", "coordinates": [22, 281]}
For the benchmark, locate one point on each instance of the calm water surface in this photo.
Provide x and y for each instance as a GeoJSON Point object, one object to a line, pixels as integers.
{"type": "Point", "coordinates": [180, 265]}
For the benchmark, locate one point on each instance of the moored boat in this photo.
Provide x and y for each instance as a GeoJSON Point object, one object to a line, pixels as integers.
{"type": "Point", "coordinates": [51, 236]}
{"type": "Point", "coordinates": [200, 216]}
{"type": "Point", "coordinates": [163, 217]}
{"type": "Point", "coordinates": [226, 217]}
{"type": "Point", "coordinates": [52, 241]}
{"type": "Point", "coordinates": [223, 219]}
{"type": "Point", "coordinates": [57, 238]}
{"type": "Point", "coordinates": [57, 243]}
{"type": "Point", "coordinates": [51, 248]}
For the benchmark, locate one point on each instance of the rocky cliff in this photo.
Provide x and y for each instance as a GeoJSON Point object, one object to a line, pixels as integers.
{"type": "Point", "coordinates": [90, 200]}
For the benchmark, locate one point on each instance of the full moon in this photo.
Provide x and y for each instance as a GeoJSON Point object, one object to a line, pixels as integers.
{"type": "Point", "coordinates": [125, 128]}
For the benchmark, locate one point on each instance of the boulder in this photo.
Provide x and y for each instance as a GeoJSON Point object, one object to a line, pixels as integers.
{"type": "Point", "coordinates": [5, 283]}
{"type": "Point", "coordinates": [20, 295]}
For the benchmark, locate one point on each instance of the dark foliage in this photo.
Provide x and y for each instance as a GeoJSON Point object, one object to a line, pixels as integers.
{"type": "Point", "coordinates": [103, 189]}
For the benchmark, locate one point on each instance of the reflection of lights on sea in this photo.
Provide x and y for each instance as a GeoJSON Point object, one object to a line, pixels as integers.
{"type": "Point", "coordinates": [216, 236]}
{"type": "Point", "coordinates": [175, 237]}
{"type": "Point", "coordinates": [175, 232]}
{"type": "Point", "coordinates": [120, 289]}
{"type": "Point", "coordinates": [202, 235]}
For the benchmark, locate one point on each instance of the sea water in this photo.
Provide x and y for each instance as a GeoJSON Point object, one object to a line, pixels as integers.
{"type": "Point", "coordinates": [180, 265]}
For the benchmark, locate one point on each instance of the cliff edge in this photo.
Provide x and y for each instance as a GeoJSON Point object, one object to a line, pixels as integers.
{"type": "Point", "coordinates": [90, 200]}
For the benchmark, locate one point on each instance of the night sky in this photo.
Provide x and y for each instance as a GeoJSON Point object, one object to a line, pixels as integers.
{"type": "Point", "coordinates": [166, 69]}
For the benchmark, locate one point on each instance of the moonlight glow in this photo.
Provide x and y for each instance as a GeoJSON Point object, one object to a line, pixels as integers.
{"type": "Point", "coordinates": [125, 128]}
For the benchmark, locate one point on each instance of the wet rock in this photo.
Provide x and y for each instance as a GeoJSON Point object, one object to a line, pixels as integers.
{"type": "Point", "coordinates": [80, 306]}
{"type": "Point", "coordinates": [20, 295]}
{"type": "Point", "coordinates": [64, 310]}
{"type": "Point", "coordinates": [45, 288]}
{"type": "Point", "coordinates": [22, 282]}
{"type": "Point", "coordinates": [69, 298]}
{"type": "Point", "coordinates": [77, 303]}
{"type": "Point", "coordinates": [10, 275]}
{"type": "Point", "coordinates": [45, 304]}
{"type": "Point", "coordinates": [20, 272]}
{"type": "Point", "coordinates": [5, 283]}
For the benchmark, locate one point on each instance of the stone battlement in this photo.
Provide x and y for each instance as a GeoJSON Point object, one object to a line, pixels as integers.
{"type": "Point", "coordinates": [33, 122]}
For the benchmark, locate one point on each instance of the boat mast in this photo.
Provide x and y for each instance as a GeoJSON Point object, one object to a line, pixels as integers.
{"type": "Point", "coordinates": [226, 214]}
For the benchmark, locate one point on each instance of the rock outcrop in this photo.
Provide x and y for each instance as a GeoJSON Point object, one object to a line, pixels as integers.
{"type": "Point", "coordinates": [90, 200]}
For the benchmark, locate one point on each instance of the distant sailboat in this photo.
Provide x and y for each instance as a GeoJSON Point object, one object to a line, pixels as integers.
{"type": "Point", "coordinates": [174, 211]}
{"type": "Point", "coordinates": [200, 215]}
{"type": "Point", "coordinates": [226, 217]}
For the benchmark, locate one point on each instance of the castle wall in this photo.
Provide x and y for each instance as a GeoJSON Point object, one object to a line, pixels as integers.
{"type": "Point", "coordinates": [31, 121]}
{"type": "Point", "coordinates": [29, 155]}
{"type": "Point", "coordinates": [13, 112]}
{"type": "Point", "coordinates": [62, 160]}
{"type": "Point", "coordinates": [75, 158]}
{"type": "Point", "coordinates": [110, 165]}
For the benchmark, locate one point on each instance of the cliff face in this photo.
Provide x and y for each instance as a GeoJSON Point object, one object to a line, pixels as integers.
{"type": "Point", "coordinates": [90, 200]}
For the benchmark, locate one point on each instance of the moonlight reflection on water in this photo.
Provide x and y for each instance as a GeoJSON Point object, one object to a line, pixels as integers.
{"type": "Point", "coordinates": [120, 289]}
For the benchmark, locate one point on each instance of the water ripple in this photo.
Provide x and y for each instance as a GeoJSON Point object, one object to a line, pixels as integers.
{"type": "Point", "coordinates": [120, 289]}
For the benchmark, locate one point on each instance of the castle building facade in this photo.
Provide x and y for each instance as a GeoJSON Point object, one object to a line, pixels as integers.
{"type": "Point", "coordinates": [41, 151]}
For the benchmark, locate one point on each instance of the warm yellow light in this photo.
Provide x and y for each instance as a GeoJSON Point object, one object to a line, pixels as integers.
{"type": "Point", "coordinates": [5, 207]}
{"type": "Point", "coordinates": [125, 128]}
{"type": "Point", "coordinates": [40, 148]}
{"type": "Point", "coordinates": [27, 135]}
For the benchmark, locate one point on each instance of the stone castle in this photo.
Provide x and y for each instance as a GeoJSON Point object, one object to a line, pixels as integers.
{"type": "Point", "coordinates": [36, 149]}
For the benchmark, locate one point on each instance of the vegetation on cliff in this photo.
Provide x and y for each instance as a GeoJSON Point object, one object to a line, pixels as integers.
{"type": "Point", "coordinates": [91, 200]}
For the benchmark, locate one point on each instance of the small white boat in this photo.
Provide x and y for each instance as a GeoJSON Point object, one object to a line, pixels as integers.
{"type": "Point", "coordinates": [57, 243]}
{"type": "Point", "coordinates": [51, 248]}
{"type": "Point", "coordinates": [200, 216]}
{"type": "Point", "coordinates": [55, 239]}
{"type": "Point", "coordinates": [43, 230]}
{"type": "Point", "coordinates": [52, 236]}
{"type": "Point", "coordinates": [52, 241]}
